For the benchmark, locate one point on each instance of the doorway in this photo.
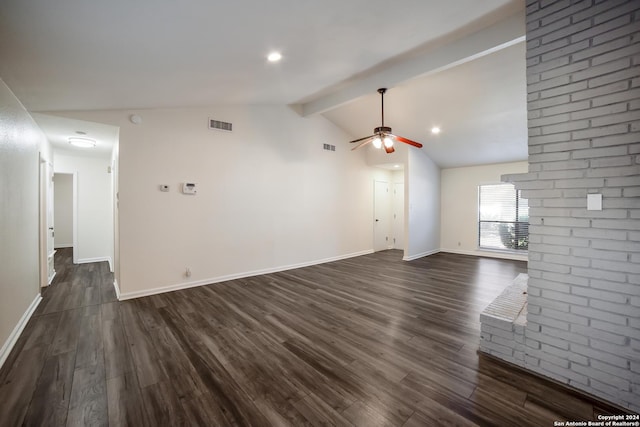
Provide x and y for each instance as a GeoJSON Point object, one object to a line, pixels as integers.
{"type": "Point", "coordinates": [64, 210]}
{"type": "Point", "coordinates": [388, 213]}
{"type": "Point", "coordinates": [382, 215]}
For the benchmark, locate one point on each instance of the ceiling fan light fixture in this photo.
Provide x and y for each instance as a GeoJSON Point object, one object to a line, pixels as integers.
{"type": "Point", "coordinates": [435, 130]}
{"type": "Point", "coordinates": [82, 142]}
{"type": "Point", "coordinates": [383, 134]}
{"type": "Point", "coordinates": [274, 57]}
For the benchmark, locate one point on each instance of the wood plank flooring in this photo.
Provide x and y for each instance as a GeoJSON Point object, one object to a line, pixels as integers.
{"type": "Point", "coordinates": [368, 341]}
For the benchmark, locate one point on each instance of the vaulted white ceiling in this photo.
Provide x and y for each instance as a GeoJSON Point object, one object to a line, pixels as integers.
{"type": "Point", "coordinates": [83, 55]}
{"type": "Point", "coordinates": [480, 107]}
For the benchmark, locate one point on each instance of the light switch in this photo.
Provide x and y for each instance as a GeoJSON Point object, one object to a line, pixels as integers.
{"type": "Point", "coordinates": [594, 202]}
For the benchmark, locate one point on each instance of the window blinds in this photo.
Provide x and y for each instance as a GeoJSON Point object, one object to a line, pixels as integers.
{"type": "Point", "coordinates": [503, 218]}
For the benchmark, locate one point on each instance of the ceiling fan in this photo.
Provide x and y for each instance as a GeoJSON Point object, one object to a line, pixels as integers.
{"type": "Point", "coordinates": [382, 136]}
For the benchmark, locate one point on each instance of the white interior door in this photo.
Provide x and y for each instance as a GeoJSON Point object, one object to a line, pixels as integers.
{"type": "Point", "coordinates": [381, 216]}
{"type": "Point", "coordinates": [50, 225]}
{"type": "Point", "coordinates": [397, 220]}
{"type": "Point", "coordinates": [47, 270]}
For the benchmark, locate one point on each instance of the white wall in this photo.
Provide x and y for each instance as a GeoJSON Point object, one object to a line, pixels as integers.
{"type": "Point", "coordinates": [269, 197]}
{"type": "Point", "coordinates": [116, 214]}
{"type": "Point", "coordinates": [379, 157]}
{"type": "Point", "coordinates": [422, 201]}
{"type": "Point", "coordinates": [95, 212]}
{"type": "Point", "coordinates": [459, 210]}
{"type": "Point", "coordinates": [20, 142]}
{"type": "Point", "coordinates": [397, 207]}
{"type": "Point", "coordinates": [63, 210]}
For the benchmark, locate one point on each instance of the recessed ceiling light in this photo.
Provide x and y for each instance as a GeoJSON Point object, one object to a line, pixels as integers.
{"type": "Point", "coordinates": [435, 130]}
{"type": "Point", "coordinates": [274, 57]}
{"type": "Point", "coordinates": [396, 166]}
{"type": "Point", "coordinates": [82, 142]}
{"type": "Point", "coordinates": [81, 132]}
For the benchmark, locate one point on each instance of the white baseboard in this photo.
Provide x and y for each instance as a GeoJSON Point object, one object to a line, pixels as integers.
{"type": "Point", "coordinates": [15, 334]}
{"type": "Point", "coordinates": [490, 254]}
{"type": "Point", "coordinates": [97, 259]}
{"type": "Point", "coordinates": [186, 285]}
{"type": "Point", "coordinates": [423, 254]}
{"type": "Point", "coordinates": [117, 288]}
{"type": "Point", "coordinates": [63, 245]}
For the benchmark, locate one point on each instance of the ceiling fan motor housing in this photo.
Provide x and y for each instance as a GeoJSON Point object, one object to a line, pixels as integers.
{"type": "Point", "coordinates": [382, 129]}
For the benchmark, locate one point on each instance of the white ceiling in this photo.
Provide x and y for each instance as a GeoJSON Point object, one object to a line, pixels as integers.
{"type": "Point", "coordinates": [480, 107]}
{"type": "Point", "coordinates": [59, 129]}
{"type": "Point", "coordinates": [83, 55]}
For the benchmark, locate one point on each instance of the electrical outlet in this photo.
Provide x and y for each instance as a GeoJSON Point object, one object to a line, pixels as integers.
{"type": "Point", "coordinates": [187, 272]}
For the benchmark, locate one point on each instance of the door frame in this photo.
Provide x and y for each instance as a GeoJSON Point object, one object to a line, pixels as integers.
{"type": "Point", "coordinates": [376, 229]}
{"type": "Point", "coordinates": [45, 204]}
{"type": "Point", "coordinates": [75, 217]}
{"type": "Point", "coordinates": [74, 211]}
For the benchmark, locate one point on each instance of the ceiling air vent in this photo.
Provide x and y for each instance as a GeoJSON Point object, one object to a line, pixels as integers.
{"type": "Point", "coordinates": [218, 125]}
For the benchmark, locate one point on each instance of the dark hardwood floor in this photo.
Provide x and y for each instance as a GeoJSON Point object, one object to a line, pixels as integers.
{"type": "Point", "coordinates": [368, 341]}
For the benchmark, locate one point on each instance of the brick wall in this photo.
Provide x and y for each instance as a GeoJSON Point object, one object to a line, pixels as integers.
{"type": "Point", "coordinates": [583, 78]}
{"type": "Point", "coordinates": [502, 323]}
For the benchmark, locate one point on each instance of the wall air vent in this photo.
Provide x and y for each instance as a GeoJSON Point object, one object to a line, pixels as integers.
{"type": "Point", "coordinates": [218, 125]}
{"type": "Point", "coordinates": [329, 147]}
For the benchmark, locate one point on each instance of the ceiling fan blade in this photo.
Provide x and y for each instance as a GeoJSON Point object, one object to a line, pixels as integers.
{"type": "Point", "coordinates": [389, 150]}
{"type": "Point", "coordinates": [361, 139]}
{"type": "Point", "coordinates": [370, 138]}
{"type": "Point", "coordinates": [407, 141]}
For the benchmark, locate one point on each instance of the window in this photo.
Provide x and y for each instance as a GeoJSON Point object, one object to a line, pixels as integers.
{"type": "Point", "coordinates": [503, 218]}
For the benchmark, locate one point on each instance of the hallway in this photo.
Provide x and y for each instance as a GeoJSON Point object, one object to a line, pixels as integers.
{"type": "Point", "coordinates": [58, 363]}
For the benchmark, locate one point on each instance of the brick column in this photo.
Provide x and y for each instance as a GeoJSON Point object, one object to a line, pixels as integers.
{"type": "Point", "coordinates": [583, 80]}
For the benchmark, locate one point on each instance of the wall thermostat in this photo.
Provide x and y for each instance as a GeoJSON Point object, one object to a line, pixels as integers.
{"type": "Point", "coordinates": [189, 188]}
